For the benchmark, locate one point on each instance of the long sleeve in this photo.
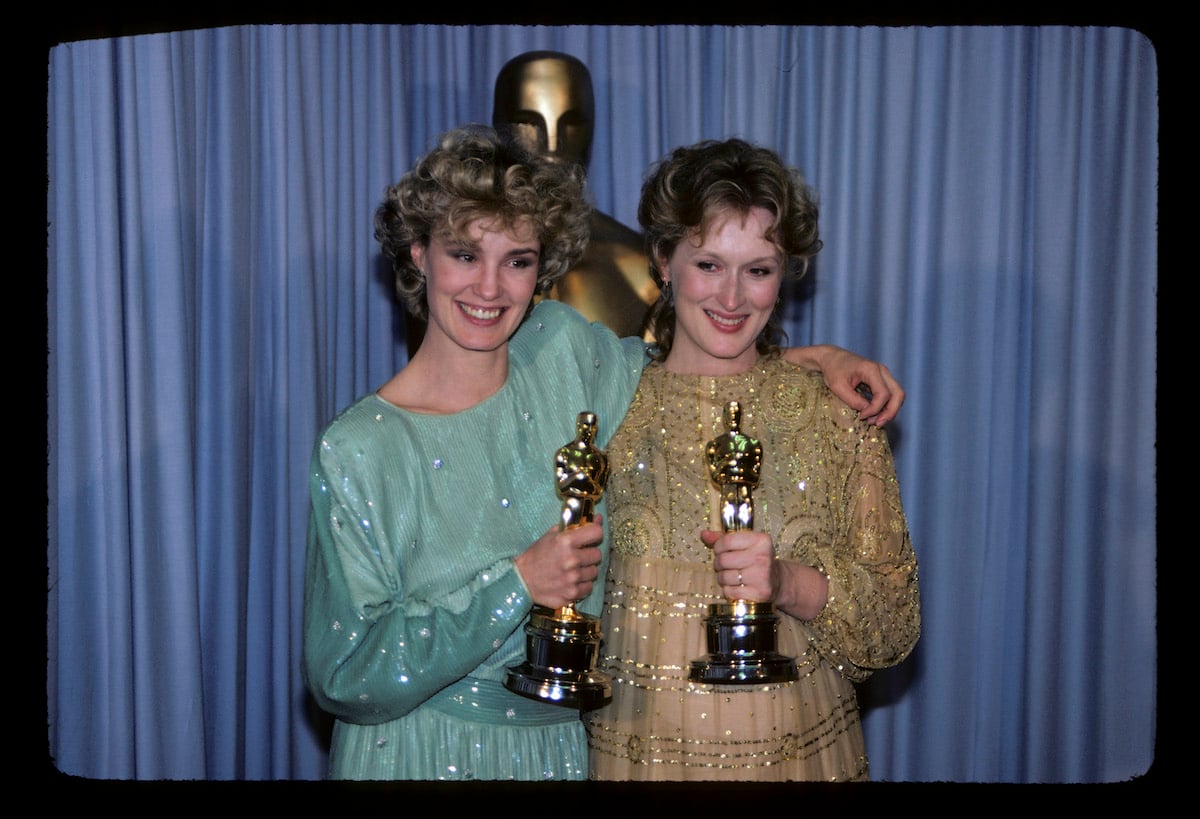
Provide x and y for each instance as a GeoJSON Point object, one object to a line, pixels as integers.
{"type": "Point", "coordinates": [373, 653]}
{"type": "Point", "coordinates": [872, 618]}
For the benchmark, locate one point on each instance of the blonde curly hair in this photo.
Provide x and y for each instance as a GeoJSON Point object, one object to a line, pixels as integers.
{"type": "Point", "coordinates": [472, 174]}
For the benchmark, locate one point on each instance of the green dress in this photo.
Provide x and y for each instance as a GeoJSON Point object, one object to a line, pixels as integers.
{"type": "Point", "coordinates": [413, 608]}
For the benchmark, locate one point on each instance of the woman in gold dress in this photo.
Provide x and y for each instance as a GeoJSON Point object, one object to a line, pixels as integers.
{"type": "Point", "coordinates": [726, 222]}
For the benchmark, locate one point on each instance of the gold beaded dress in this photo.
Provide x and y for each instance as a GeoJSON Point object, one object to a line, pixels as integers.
{"type": "Point", "coordinates": [828, 496]}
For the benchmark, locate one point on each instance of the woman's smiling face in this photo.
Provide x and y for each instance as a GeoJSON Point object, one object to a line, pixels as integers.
{"type": "Point", "coordinates": [725, 286]}
{"type": "Point", "coordinates": [479, 288]}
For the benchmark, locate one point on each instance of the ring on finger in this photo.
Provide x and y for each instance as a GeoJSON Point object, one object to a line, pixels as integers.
{"type": "Point", "coordinates": [740, 583]}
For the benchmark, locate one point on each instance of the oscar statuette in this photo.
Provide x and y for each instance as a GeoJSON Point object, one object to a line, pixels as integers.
{"type": "Point", "coordinates": [741, 633]}
{"type": "Point", "coordinates": [561, 645]}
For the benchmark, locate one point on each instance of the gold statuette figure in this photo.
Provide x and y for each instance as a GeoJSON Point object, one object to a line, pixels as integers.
{"type": "Point", "coordinates": [561, 645]}
{"type": "Point", "coordinates": [741, 633]}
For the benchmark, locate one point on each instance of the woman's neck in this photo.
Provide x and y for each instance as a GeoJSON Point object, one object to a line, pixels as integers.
{"type": "Point", "coordinates": [444, 384]}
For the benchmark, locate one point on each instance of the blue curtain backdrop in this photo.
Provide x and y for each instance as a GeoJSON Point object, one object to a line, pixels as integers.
{"type": "Point", "coordinates": [989, 210]}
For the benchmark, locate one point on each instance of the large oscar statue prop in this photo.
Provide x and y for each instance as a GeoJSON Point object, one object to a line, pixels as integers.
{"type": "Point", "coordinates": [561, 645]}
{"type": "Point", "coordinates": [741, 633]}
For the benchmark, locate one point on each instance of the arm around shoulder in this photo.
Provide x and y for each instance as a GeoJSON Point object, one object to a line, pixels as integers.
{"type": "Point", "coordinates": [867, 386]}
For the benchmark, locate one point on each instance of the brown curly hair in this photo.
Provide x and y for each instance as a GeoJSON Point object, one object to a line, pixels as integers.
{"type": "Point", "coordinates": [475, 173]}
{"type": "Point", "coordinates": [696, 184]}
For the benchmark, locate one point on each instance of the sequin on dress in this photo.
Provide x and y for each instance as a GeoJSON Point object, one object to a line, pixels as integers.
{"type": "Point", "coordinates": [413, 607]}
{"type": "Point", "coordinates": [829, 497]}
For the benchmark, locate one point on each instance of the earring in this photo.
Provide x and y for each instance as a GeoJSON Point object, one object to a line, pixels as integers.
{"type": "Point", "coordinates": [666, 292]}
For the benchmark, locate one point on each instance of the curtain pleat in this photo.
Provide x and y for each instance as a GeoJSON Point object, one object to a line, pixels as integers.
{"type": "Point", "coordinates": [989, 211]}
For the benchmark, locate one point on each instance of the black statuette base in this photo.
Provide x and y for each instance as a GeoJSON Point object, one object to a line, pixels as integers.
{"type": "Point", "coordinates": [741, 642]}
{"type": "Point", "coordinates": [560, 665]}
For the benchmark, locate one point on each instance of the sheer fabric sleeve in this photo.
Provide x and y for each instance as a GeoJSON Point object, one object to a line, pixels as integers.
{"type": "Point", "coordinates": [872, 618]}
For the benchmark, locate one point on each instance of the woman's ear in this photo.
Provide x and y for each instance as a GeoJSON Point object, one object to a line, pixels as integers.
{"type": "Point", "coordinates": [661, 263]}
{"type": "Point", "coordinates": [417, 252]}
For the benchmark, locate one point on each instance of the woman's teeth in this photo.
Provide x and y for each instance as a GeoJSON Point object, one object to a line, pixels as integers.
{"type": "Point", "coordinates": [726, 322]}
{"type": "Point", "coordinates": [480, 313]}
